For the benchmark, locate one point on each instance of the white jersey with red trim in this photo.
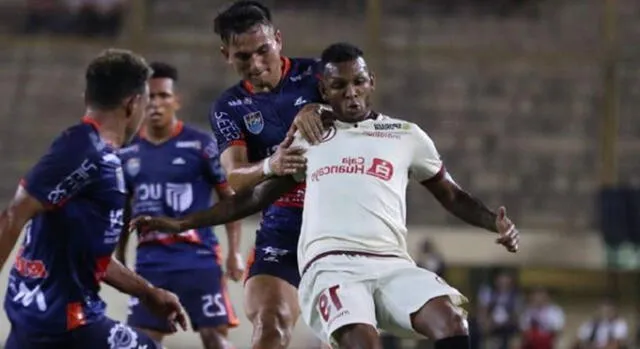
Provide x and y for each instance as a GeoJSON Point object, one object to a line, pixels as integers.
{"type": "Point", "coordinates": [356, 186]}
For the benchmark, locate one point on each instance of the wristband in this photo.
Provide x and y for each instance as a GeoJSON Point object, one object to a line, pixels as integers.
{"type": "Point", "coordinates": [266, 167]}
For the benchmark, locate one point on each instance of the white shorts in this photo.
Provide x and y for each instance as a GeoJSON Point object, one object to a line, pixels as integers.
{"type": "Point", "coordinates": [339, 290]}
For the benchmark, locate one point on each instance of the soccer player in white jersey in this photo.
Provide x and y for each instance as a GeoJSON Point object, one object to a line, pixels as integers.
{"type": "Point", "coordinates": [357, 275]}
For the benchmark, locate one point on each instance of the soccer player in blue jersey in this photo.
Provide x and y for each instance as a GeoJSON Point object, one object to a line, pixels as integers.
{"type": "Point", "coordinates": [250, 120]}
{"type": "Point", "coordinates": [172, 169]}
{"type": "Point", "coordinates": [71, 207]}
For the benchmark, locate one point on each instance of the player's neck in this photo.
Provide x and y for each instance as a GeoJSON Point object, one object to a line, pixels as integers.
{"type": "Point", "coordinates": [112, 128]}
{"type": "Point", "coordinates": [160, 134]}
{"type": "Point", "coordinates": [368, 115]}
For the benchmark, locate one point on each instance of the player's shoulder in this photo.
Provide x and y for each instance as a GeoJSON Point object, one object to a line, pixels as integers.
{"type": "Point", "coordinates": [388, 123]}
{"type": "Point", "coordinates": [192, 132]}
{"type": "Point", "coordinates": [80, 138]}
{"type": "Point", "coordinates": [234, 96]}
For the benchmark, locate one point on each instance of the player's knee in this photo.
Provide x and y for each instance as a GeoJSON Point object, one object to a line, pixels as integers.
{"type": "Point", "coordinates": [357, 336]}
{"type": "Point", "coordinates": [214, 337]}
{"type": "Point", "coordinates": [440, 318]}
{"type": "Point", "coordinates": [272, 328]}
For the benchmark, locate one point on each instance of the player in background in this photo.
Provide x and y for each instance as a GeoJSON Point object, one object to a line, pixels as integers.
{"type": "Point", "coordinates": [357, 275]}
{"type": "Point", "coordinates": [172, 169]}
{"type": "Point", "coordinates": [71, 208]}
{"type": "Point", "coordinates": [249, 121]}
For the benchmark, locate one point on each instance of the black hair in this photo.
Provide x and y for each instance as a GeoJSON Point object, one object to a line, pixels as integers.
{"type": "Point", "coordinates": [163, 70]}
{"type": "Point", "coordinates": [340, 52]}
{"type": "Point", "coordinates": [241, 16]}
{"type": "Point", "coordinates": [113, 76]}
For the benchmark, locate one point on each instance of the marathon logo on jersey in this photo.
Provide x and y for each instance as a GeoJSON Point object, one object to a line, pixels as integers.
{"type": "Point", "coordinates": [254, 122]}
{"type": "Point", "coordinates": [240, 102]}
{"type": "Point", "coordinates": [73, 182]}
{"type": "Point", "coordinates": [391, 126]}
{"type": "Point", "coordinates": [133, 166]}
{"type": "Point", "coordinates": [189, 145]}
{"type": "Point", "coordinates": [381, 134]}
{"type": "Point", "coordinates": [377, 167]}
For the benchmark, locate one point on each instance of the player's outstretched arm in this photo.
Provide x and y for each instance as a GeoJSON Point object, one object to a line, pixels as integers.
{"type": "Point", "coordinates": [471, 210]}
{"type": "Point", "coordinates": [244, 203]}
{"type": "Point", "coordinates": [21, 209]}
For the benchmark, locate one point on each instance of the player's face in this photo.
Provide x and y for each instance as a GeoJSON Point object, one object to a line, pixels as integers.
{"type": "Point", "coordinates": [255, 55]}
{"type": "Point", "coordinates": [347, 87]}
{"type": "Point", "coordinates": [163, 103]}
{"type": "Point", "coordinates": [136, 109]}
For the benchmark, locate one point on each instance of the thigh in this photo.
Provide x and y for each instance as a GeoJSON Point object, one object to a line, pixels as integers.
{"type": "Point", "coordinates": [139, 316]}
{"type": "Point", "coordinates": [269, 298]}
{"type": "Point", "coordinates": [405, 290]}
{"type": "Point", "coordinates": [204, 295]}
{"type": "Point", "coordinates": [20, 340]}
{"type": "Point", "coordinates": [110, 334]}
{"type": "Point", "coordinates": [330, 301]}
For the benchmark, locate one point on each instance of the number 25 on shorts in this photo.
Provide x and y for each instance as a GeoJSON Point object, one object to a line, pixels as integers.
{"type": "Point", "coordinates": [329, 302]}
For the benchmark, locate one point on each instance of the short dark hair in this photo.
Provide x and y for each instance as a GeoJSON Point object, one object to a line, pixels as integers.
{"type": "Point", "coordinates": [163, 70]}
{"type": "Point", "coordinates": [241, 16]}
{"type": "Point", "coordinates": [340, 52]}
{"type": "Point", "coordinates": [113, 76]}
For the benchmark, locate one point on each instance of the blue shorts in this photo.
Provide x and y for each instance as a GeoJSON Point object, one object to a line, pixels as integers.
{"type": "Point", "coordinates": [202, 292]}
{"type": "Point", "coordinates": [103, 334]}
{"type": "Point", "coordinates": [269, 259]}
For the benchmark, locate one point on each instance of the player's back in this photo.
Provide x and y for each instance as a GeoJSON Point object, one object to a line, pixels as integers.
{"type": "Point", "coordinates": [172, 179]}
{"type": "Point", "coordinates": [356, 184]}
{"type": "Point", "coordinates": [54, 283]}
{"type": "Point", "coordinates": [260, 121]}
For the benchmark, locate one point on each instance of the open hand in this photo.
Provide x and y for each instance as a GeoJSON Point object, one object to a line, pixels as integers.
{"type": "Point", "coordinates": [311, 121]}
{"type": "Point", "coordinates": [508, 235]}
{"type": "Point", "coordinates": [287, 160]}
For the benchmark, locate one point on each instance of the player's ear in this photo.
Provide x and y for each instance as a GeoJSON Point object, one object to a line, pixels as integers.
{"type": "Point", "coordinates": [224, 50]}
{"type": "Point", "coordinates": [322, 88]}
{"type": "Point", "coordinates": [177, 102]}
{"type": "Point", "coordinates": [372, 77]}
{"type": "Point", "coordinates": [278, 37]}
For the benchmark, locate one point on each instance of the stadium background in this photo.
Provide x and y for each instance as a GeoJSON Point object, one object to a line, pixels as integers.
{"type": "Point", "coordinates": [531, 103]}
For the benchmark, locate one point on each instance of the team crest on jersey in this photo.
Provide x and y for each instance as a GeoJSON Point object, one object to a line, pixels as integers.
{"type": "Point", "coordinates": [254, 122]}
{"type": "Point", "coordinates": [133, 166]}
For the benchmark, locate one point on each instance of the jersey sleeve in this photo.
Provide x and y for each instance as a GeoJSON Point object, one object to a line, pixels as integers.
{"type": "Point", "coordinates": [213, 169]}
{"type": "Point", "coordinates": [66, 168]}
{"type": "Point", "coordinates": [225, 128]}
{"type": "Point", "coordinates": [426, 164]}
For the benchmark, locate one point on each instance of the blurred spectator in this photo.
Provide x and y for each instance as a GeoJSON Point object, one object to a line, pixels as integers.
{"type": "Point", "coordinates": [498, 311]}
{"type": "Point", "coordinates": [430, 259]}
{"type": "Point", "coordinates": [607, 330]}
{"type": "Point", "coordinates": [541, 322]}
{"type": "Point", "coordinates": [42, 16]}
{"type": "Point", "coordinates": [85, 17]}
{"type": "Point", "coordinates": [100, 17]}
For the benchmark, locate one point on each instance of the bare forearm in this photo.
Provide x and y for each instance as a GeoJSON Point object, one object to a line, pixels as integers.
{"type": "Point", "coordinates": [246, 176]}
{"type": "Point", "coordinates": [126, 281]}
{"type": "Point", "coordinates": [471, 210]}
{"type": "Point", "coordinates": [9, 233]}
{"type": "Point", "coordinates": [234, 229]}
{"type": "Point", "coordinates": [244, 203]}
